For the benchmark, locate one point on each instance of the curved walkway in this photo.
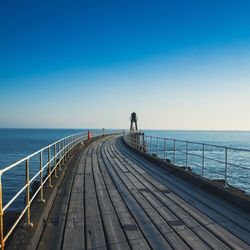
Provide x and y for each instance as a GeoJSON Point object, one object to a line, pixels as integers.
{"type": "Point", "coordinates": [119, 200]}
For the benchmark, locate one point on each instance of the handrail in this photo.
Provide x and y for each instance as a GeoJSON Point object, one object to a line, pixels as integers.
{"type": "Point", "coordinates": [37, 152]}
{"type": "Point", "coordinates": [198, 143]}
{"type": "Point", "coordinates": [202, 158]}
{"type": "Point", "coordinates": [61, 149]}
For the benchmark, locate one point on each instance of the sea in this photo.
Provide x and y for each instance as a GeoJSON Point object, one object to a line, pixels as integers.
{"type": "Point", "coordinates": [18, 143]}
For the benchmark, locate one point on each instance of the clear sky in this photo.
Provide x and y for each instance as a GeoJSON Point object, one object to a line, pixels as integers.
{"type": "Point", "coordinates": [77, 64]}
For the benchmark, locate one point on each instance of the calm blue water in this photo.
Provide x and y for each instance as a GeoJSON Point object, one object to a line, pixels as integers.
{"type": "Point", "coordinates": [240, 139]}
{"type": "Point", "coordinates": [18, 143]}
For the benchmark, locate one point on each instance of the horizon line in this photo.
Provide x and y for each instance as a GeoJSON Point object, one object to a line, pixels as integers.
{"type": "Point", "coordinates": [144, 129]}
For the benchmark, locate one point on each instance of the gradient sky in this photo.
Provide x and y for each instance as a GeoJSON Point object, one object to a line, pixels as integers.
{"type": "Point", "coordinates": [77, 64]}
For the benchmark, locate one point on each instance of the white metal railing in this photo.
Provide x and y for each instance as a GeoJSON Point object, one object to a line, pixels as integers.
{"type": "Point", "coordinates": [50, 160]}
{"type": "Point", "coordinates": [228, 164]}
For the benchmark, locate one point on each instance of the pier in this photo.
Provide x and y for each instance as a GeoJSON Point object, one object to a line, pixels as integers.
{"type": "Point", "coordinates": [112, 197]}
{"type": "Point", "coordinates": [124, 125]}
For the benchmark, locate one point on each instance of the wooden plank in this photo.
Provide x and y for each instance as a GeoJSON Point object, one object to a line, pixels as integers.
{"type": "Point", "coordinates": [162, 226]}
{"type": "Point", "coordinates": [167, 207]}
{"type": "Point", "coordinates": [115, 237]}
{"type": "Point", "coordinates": [95, 238]}
{"type": "Point", "coordinates": [53, 233]}
{"type": "Point", "coordinates": [150, 232]}
{"type": "Point", "coordinates": [181, 191]}
{"type": "Point", "coordinates": [129, 225]}
{"type": "Point", "coordinates": [178, 230]}
{"type": "Point", "coordinates": [74, 237]}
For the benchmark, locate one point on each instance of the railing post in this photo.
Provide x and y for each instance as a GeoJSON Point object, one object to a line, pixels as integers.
{"type": "Point", "coordinates": [157, 147]}
{"type": "Point", "coordinates": [203, 158]}
{"type": "Point", "coordinates": [226, 167]}
{"type": "Point", "coordinates": [1, 212]}
{"type": "Point", "coordinates": [73, 144]}
{"type": "Point", "coordinates": [63, 151]}
{"type": "Point", "coordinates": [41, 177]}
{"type": "Point", "coordinates": [29, 224]}
{"type": "Point", "coordinates": [55, 163]}
{"type": "Point", "coordinates": [60, 155]}
{"type": "Point", "coordinates": [70, 145]}
{"type": "Point", "coordinates": [145, 146]}
{"type": "Point", "coordinates": [151, 146]}
{"type": "Point", "coordinates": [165, 152]}
{"type": "Point", "coordinates": [49, 165]}
{"type": "Point", "coordinates": [186, 155]}
{"type": "Point", "coordinates": [174, 151]}
{"type": "Point", "coordinates": [66, 149]}
{"type": "Point", "coordinates": [141, 142]}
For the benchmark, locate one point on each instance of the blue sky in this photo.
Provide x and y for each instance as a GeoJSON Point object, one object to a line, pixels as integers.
{"type": "Point", "coordinates": [178, 64]}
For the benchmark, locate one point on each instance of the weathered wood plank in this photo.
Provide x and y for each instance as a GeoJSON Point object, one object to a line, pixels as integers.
{"type": "Point", "coordinates": [167, 207]}
{"type": "Point", "coordinates": [178, 229]}
{"type": "Point", "coordinates": [115, 236]}
{"type": "Point", "coordinates": [95, 238]}
{"type": "Point", "coordinates": [74, 237]}
{"type": "Point", "coordinates": [129, 225]}
{"type": "Point", "coordinates": [180, 190]}
{"type": "Point", "coordinates": [53, 233]}
{"type": "Point", "coordinates": [150, 232]}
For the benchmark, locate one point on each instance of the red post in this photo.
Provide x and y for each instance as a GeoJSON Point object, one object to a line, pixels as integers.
{"type": "Point", "coordinates": [89, 135]}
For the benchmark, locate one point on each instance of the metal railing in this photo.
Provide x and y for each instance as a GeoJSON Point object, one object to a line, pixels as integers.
{"type": "Point", "coordinates": [49, 161]}
{"type": "Point", "coordinates": [229, 165]}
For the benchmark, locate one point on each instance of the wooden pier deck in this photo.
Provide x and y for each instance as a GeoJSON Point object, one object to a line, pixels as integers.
{"type": "Point", "coordinates": [116, 199]}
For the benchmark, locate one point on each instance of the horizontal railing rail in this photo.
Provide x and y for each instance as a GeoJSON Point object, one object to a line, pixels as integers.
{"type": "Point", "coordinates": [49, 161]}
{"type": "Point", "coordinates": [230, 165]}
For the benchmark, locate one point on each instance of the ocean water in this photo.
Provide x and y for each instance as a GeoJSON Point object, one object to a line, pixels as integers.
{"type": "Point", "coordinates": [239, 139]}
{"type": "Point", "coordinates": [18, 143]}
